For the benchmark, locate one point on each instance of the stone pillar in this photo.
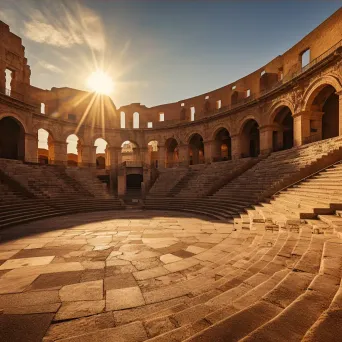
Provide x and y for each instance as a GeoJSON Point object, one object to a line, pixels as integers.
{"type": "Point", "coordinates": [122, 181]}
{"type": "Point", "coordinates": [266, 135]}
{"type": "Point", "coordinates": [2, 77]}
{"type": "Point", "coordinates": [307, 127]}
{"type": "Point", "coordinates": [339, 93]}
{"type": "Point", "coordinates": [88, 155]}
{"type": "Point", "coordinates": [236, 146]}
{"type": "Point", "coordinates": [61, 152]}
{"type": "Point", "coordinates": [31, 148]}
{"type": "Point", "coordinates": [114, 154]}
{"type": "Point", "coordinates": [145, 156]}
{"type": "Point", "coordinates": [183, 155]}
{"type": "Point", "coordinates": [210, 151]}
{"type": "Point", "coordinates": [161, 157]}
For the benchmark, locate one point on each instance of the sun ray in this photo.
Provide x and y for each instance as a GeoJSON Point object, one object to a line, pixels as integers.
{"type": "Point", "coordinates": [90, 104]}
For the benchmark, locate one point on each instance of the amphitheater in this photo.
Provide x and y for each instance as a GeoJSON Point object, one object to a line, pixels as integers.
{"type": "Point", "coordinates": [215, 218]}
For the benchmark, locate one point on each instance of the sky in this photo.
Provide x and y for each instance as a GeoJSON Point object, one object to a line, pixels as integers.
{"type": "Point", "coordinates": [157, 51]}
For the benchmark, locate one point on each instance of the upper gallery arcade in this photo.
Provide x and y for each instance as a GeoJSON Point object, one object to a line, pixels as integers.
{"type": "Point", "coordinates": [294, 99]}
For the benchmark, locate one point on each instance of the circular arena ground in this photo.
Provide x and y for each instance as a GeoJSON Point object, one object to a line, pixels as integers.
{"type": "Point", "coordinates": [72, 275]}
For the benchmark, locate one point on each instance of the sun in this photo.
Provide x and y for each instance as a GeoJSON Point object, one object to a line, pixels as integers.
{"type": "Point", "coordinates": [100, 82]}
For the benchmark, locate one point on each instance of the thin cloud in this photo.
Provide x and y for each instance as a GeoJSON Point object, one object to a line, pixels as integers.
{"type": "Point", "coordinates": [78, 25]}
{"type": "Point", "coordinates": [50, 67]}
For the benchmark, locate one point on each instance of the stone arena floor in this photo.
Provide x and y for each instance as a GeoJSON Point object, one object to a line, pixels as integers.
{"type": "Point", "coordinates": [82, 271]}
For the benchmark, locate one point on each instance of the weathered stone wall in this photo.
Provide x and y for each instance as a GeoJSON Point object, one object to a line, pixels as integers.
{"type": "Point", "coordinates": [88, 124]}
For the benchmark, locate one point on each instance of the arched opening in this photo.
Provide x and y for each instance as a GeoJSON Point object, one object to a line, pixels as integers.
{"type": "Point", "coordinates": [12, 139]}
{"type": "Point", "coordinates": [196, 150]}
{"type": "Point", "coordinates": [222, 145]}
{"type": "Point", "coordinates": [100, 162]}
{"type": "Point", "coordinates": [122, 120]}
{"type": "Point", "coordinates": [172, 156]}
{"type": "Point", "coordinates": [46, 150]}
{"type": "Point", "coordinates": [133, 184]}
{"type": "Point", "coordinates": [326, 102]}
{"type": "Point", "coordinates": [129, 151]}
{"type": "Point", "coordinates": [74, 150]}
{"type": "Point", "coordinates": [136, 120]}
{"type": "Point", "coordinates": [101, 153]}
{"type": "Point", "coordinates": [250, 139]}
{"type": "Point", "coordinates": [282, 138]}
{"type": "Point", "coordinates": [153, 153]}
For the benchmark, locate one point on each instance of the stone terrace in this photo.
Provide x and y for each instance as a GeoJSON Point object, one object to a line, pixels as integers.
{"type": "Point", "coordinates": [165, 276]}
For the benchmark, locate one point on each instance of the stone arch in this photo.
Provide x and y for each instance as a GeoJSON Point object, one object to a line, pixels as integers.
{"type": "Point", "coordinates": [101, 152]}
{"type": "Point", "coordinates": [250, 138]}
{"type": "Point", "coordinates": [222, 144]}
{"type": "Point", "coordinates": [171, 152]}
{"type": "Point", "coordinates": [315, 87]}
{"type": "Point", "coordinates": [74, 150]}
{"type": "Point", "coordinates": [243, 122]}
{"type": "Point", "coordinates": [12, 138]}
{"type": "Point", "coordinates": [273, 110]}
{"type": "Point", "coordinates": [46, 146]}
{"type": "Point", "coordinates": [283, 130]}
{"type": "Point", "coordinates": [196, 149]}
{"type": "Point", "coordinates": [153, 152]}
{"type": "Point", "coordinates": [129, 150]}
{"type": "Point", "coordinates": [18, 117]}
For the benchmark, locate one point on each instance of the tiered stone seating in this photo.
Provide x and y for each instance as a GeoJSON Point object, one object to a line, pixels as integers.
{"type": "Point", "coordinates": [89, 181]}
{"type": "Point", "coordinates": [44, 191]}
{"type": "Point", "coordinates": [210, 175]}
{"type": "Point", "coordinates": [167, 179]}
{"type": "Point", "coordinates": [316, 197]}
{"type": "Point", "coordinates": [269, 175]}
{"type": "Point", "coordinates": [204, 180]}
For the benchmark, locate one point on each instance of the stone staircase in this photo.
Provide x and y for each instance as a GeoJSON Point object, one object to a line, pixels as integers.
{"type": "Point", "coordinates": [282, 285]}
{"type": "Point", "coordinates": [259, 182]}
{"type": "Point", "coordinates": [166, 181]}
{"type": "Point", "coordinates": [30, 192]}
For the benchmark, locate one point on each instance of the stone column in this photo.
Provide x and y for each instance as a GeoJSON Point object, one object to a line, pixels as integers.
{"type": "Point", "coordinates": [183, 154]}
{"type": "Point", "coordinates": [144, 156]}
{"type": "Point", "coordinates": [210, 151]}
{"type": "Point", "coordinates": [236, 146]}
{"type": "Point", "coordinates": [161, 157]}
{"type": "Point", "coordinates": [307, 127]}
{"type": "Point", "coordinates": [89, 155]}
{"type": "Point", "coordinates": [339, 93]}
{"type": "Point", "coordinates": [266, 135]}
{"type": "Point", "coordinates": [31, 148]}
{"type": "Point", "coordinates": [61, 152]}
{"type": "Point", "coordinates": [121, 181]}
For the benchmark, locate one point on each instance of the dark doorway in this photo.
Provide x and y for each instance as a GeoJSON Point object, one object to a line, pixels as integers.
{"type": "Point", "coordinates": [12, 139]}
{"type": "Point", "coordinates": [330, 119]}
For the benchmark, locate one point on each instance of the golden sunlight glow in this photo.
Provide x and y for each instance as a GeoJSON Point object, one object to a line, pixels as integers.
{"type": "Point", "coordinates": [100, 83]}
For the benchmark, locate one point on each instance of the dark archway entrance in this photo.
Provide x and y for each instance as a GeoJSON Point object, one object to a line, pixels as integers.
{"type": "Point", "coordinates": [223, 145]}
{"type": "Point", "coordinates": [283, 134]}
{"type": "Point", "coordinates": [12, 139]}
{"type": "Point", "coordinates": [133, 186]}
{"type": "Point", "coordinates": [172, 157]}
{"type": "Point", "coordinates": [250, 139]}
{"type": "Point", "coordinates": [330, 119]}
{"type": "Point", "coordinates": [196, 150]}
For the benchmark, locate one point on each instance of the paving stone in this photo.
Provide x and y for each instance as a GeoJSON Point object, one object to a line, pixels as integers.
{"type": "Point", "coordinates": [91, 275]}
{"type": "Point", "coordinates": [92, 290]}
{"type": "Point", "coordinates": [79, 326]}
{"type": "Point", "coordinates": [29, 298]}
{"type": "Point", "coordinates": [56, 280]}
{"type": "Point", "coordinates": [8, 254]}
{"type": "Point", "coordinates": [119, 281]}
{"type": "Point", "coordinates": [133, 332]}
{"type": "Point", "coordinates": [78, 309]}
{"type": "Point", "coordinates": [150, 273]}
{"type": "Point", "coordinates": [32, 309]}
{"type": "Point", "coordinates": [183, 254]}
{"type": "Point", "coordinates": [28, 328]}
{"type": "Point", "coordinates": [118, 299]}
{"type": "Point", "coordinates": [16, 263]}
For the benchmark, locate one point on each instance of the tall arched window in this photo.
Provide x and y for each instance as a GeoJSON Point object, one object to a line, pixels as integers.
{"type": "Point", "coordinates": [136, 120]}
{"type": "Point", "coordinates": [122, 120]}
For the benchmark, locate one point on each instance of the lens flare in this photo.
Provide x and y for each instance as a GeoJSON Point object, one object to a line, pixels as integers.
{"type": "Point", "coordinates": [100, 83]}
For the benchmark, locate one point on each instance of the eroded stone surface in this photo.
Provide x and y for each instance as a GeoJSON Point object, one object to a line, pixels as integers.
{"type": "Point", "coordinates": [94, 267]}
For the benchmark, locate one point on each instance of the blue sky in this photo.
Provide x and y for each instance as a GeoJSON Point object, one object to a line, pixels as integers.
{"type": "Point", "coordinates": [157, 51]}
